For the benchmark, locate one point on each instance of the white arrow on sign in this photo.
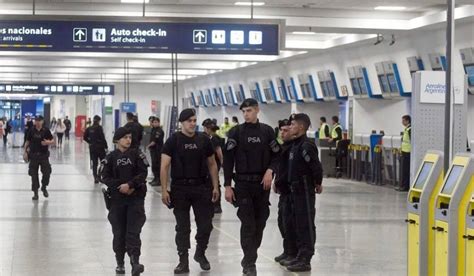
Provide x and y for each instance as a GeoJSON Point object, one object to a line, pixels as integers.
{"type": "Point", "coordinates": [80, 34]}
{"type": "Point", "coordinates": [200, 36]}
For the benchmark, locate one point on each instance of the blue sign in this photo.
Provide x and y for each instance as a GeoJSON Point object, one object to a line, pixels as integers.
{"type": "Point", "coordinates": [57, 89]}
{"type": "Point", "coordinates": [139, 37]}
{"type": "Point", "coordinates": [128, 107]}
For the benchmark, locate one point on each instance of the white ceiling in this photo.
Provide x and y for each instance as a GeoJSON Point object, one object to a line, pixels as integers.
{"type": "Point", "coordinates": [336, 22]}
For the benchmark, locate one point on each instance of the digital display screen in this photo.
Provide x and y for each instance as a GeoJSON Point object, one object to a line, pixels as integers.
{"type": "Point", "coordinates": [363, 87]}
{"type": "Point", "coordinates": [331, 90]}
{"type": "Point", "coordinates": [393, 83]}
{"type": "Point", "coordinates": [355, 86]}
{"type": "Point", "coordinates": [470, 74]}
{"type": "Point", "coordinates": [423, 175]}
{"type": "Point", "coordinates": [384, 84]}
{"type": "Point", "coordinates": [324, 87]}
{"type": "Point", "coordinates": [452, 179]}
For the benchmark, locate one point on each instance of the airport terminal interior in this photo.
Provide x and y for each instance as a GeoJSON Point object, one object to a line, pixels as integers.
{"type": "Point", "coordinates": [388, 87]}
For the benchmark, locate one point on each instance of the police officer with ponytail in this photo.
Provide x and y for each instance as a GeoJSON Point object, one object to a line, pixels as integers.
{"type": "Point", "coordinates": [124, 171]}
{"type": "Point", "coordinates": [252, 150]}
{"type": "Point", "coordinates": [190, 155]}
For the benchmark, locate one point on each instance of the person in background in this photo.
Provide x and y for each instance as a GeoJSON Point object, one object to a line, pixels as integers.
{"type": "Point", "coordinates": [224, 128]}
{"type": "Point", "coordinates": [211, 128]}
{"type": "Point", "coordinates": [68, 125]}
{"type": "Point", "coordinates": [140, 127]}
{"type": "Point", "coordinates": [60, 130]}
{"type": "Point", "coordinates": [2, 130]}
{"type": "Point", "coordinates": [37, 154]}
{"type": "Point", "coordinates": [323, 129]}
{"type": "Point", "coordinates": [336, 133]}
{"type": "Point", "coordinates": [124, 171]}
{"type": "Point", "coordinates": [135, 129]}
{"type": "Point", "coordinates": [406, 154]}
{"type": "Point", "coordinates": [89, 122]}
{"type": "Point", "coordinates": [94, 136]}
{"type": "Point", "coordinates": [52, 128]}
{"type": "Point", "coordinates": [28, 127]}
{"type": "Point", "coordinates": [155, 146]}
{"type": "Point", "coordinates": [235, 121]}
{"type": "Point", "coordinates": [8, 130]}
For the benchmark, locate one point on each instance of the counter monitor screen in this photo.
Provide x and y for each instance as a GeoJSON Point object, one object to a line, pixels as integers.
{"type": "Point", "coordinates": [452, 179]}
{"type": "Point", "coordinates": [470, 74]}
{"type": "Point", "coordinates": [423, 176]}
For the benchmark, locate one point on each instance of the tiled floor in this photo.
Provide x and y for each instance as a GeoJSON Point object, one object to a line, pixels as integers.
{"type": "Point", "coordinates": [360, 228]}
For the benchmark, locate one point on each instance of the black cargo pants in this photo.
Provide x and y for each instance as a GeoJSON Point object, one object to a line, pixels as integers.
{"type": "Point", "coordinates": [96, 156]}
{"type": "Point", "coordinates": [286, 225]}
{"type": "Point", "coordinates": [155, 163]}
{"type": "Point", "coordinates": [253, 203]}
{"type": "Point", "coordinates": [304, 215]}
{"type": "Point", "coordinates": [36, 162]}
{"type": "Point", "coordinates": [199, 197]}
{"type": "Point", "coordinates": [127, 217]}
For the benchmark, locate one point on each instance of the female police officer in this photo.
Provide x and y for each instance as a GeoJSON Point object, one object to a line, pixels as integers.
{"type": "Point", "coordinates": [191, 158]}
{"type": "Point", "coordinates": [124, 171]}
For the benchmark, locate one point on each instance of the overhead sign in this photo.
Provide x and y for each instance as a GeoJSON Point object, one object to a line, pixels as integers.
{"type": "Point", "coordinates": [139, 37]}
{"type": "Point", "coordinates": [128, 107]}
{"type": "Point", "coordinates": [57, 89]}
{"type": "Point", "coordinates": [433, 88]}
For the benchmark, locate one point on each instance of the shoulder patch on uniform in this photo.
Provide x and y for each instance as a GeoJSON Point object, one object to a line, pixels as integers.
{"type": "Point", "coordinates": [306, 156]}
{"type": "Point", "coordinates": [231, 144]}
{"type": "Point", "coordinates": [275, 146]}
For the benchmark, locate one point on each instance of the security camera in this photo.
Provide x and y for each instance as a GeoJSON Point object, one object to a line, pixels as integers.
{"type": "Point", "coordinates": [379, 39]}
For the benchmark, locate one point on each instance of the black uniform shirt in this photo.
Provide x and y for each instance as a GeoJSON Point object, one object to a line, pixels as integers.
{"type": "Point", "coordinates": [125, 167]}
{"type": "Point", "coordinates": [94, 136]}
{"type": "Point", "coordinates": [281, 179]}
{"type": "Point", "coordinates": [303, 161]}
{"type": "Point", "coordinates": [252, 148]}
{"type": "Point", "coordinates": [35, 137]}
{"type": "Point", "coordinates": [137, 133]}
{"type": "Point", "coordinates": [67, 123]}
{"type": "Point", "coordinates": [29, 126]}
{"type": "Point", "coordinates": [216, 143]}
{"type": "Point", "coordinates": [157, 136]}
{"type": "Point", "coordinates": [188, 155]}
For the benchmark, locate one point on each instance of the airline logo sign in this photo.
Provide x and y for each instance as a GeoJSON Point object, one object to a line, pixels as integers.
{"type": "Point", "coordinates": [139, 37]}
{"type": "Point", "coordinates": [433, 88]}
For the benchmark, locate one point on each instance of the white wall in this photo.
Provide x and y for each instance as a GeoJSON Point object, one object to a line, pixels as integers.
{"type": "Point", "coordinates": [69, 108]}
{"type": "Point", "coordinates": [414, 43]}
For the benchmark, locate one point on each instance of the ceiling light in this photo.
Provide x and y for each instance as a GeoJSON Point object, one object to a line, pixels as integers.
{"type": "Point", "coordinates": [389, 8]}
{"type": "Point", "coordinates": [304, 33]}
{"type": "Point", "coordinates": [249, 3]}
{"type": "Point", "coordinates": [135, 1]}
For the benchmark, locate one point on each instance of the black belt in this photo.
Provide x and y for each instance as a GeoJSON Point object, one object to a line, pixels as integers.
{"type": "Point", "coordinates": [189, 181]}
{"type": "Point", "coordinates": [248, 177]}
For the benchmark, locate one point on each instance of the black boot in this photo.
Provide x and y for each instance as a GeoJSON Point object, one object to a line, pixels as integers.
{"type": "Point", "coordinates": [35, 195]}
{"type": "Point", "coordinates": [200, 257]}
{"type": "Point", "coordinates": [250, 271]}
{"type": "Point", "coordinates": [300, 266]}
{"type": "Point", "coordinates": [137, 268]}
{"type": "Point", "coordinates": [120, 269]}
{"type": "Point", "coordinates": [289, 261]}
{"type": "Point", "coordinates": [45, 192]}
{"type": "Point", "coordinates": [281, 257]}
{"type": "Point", "coordinates": [218, 209]}
{"type": "Point", "coordinates": [183, 266]}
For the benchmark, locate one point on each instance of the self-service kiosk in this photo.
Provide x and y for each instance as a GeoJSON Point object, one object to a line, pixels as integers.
{"type": "Point", "coordinates": [467, 57]}
{"type": "Point", "coordinates": [269, 91]}
{"type": "Point", "coordinates": [307, 87]}
{"type": "Point", "coordinates": [450, 217]}
{"type": "Point", "coordinates": [438, 62]}
{"type": "Point", "coordinates": [469, 238]}
{"type": "Point", "coordinates": [421, 201]}
{"type": "Point", "coordinates": [415, 64]}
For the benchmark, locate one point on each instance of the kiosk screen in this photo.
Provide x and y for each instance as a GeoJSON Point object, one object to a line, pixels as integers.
{"type": "Point", "coordinates": [355, 86]}
{"type": "Point", "coordinates": [393, 83]}
{"type": "Point", "coordinates": [423, 176]}
{"type": "Point", "coordinates": [470, 74]}
{"type": "Point", "coordinates": [384, 84]}
{"type": "Point", "coordinates": [452, 179]}
{"type": "Point", "coordinates": [363, 87]}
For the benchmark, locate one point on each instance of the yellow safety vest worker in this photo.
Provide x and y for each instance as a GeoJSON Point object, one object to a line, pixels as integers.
{"type": "Point", "coordinates": [322, 131]}
{"type": "Point", "coordinates": [224, 128]}
{"type": "Point", "coordinates": [334, 132]}
{"type": "Point", "coordinates": [406, 141]}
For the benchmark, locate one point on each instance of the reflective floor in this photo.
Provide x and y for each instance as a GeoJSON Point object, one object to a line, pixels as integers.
{"type": "Point", "coordinates": [360, 228]}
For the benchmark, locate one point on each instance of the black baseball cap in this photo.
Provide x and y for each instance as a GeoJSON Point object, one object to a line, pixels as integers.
{"type": "Point", "coordinates": [39, 118]}
{"type": "Point", "coordinates": [282, 123]}
{"type": "Point", "coordinates": [120, 133]}
{"type": "Point", "coordinates": [249, 103]}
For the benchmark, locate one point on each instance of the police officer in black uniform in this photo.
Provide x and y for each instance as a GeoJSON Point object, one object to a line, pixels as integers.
{"type": "Point", "coordinates": [38, 140]}
{"type": "Point", "coordinates": [155, 146]}
{"type": "Point", "coordinates": [191, 158]}
{"type": "Point", "coordinates": [210, 128]}
{"type": "Point", "coordinates": [253, 150]}
{"type": "Point", "coordinates": [124, 171]}
{"type": "Point", "coordinates": [94, 136]}
{"type": "Point", "coordinates": [282, 187]}
{"type": "Point", "coordinates": [135, 128]}
{"type": "Point", "coordinates": [305, 176]}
